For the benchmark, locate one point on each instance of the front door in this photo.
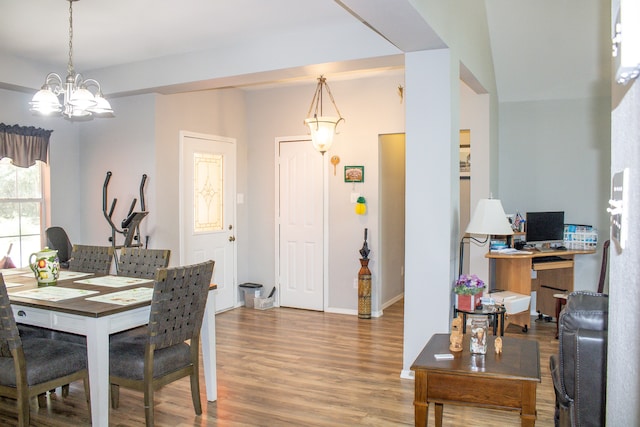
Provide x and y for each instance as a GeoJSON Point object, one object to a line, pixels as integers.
{"type": "Point", "coordinates": [207, 209]}
{"type": "Point", "coordinates": [301, 225]}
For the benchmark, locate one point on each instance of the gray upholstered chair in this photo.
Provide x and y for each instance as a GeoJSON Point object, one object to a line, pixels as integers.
{"type": "Point", "coordinates": [142, 263]}
{"type": "Point", "coordinates": [91, 259]}
{"type": "Point", "coordinates": [579, 370]}
{"type": "Point", "coordinates": [30, 368]}
{"type": "Point", "coordinates": [148, 361]}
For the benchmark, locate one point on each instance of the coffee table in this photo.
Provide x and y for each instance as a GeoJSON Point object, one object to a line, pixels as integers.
{"type": "Point", "coordinates": [498, 381]}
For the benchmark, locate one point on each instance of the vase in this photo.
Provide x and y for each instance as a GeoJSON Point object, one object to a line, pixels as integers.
{"type": "Point", "coordinates": [364, 290]}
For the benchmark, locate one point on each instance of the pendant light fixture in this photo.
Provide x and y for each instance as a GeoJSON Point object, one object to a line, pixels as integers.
{"type": "Point", "coordinates": [79, 103]}
{"type": "Point", "coordinates": [323, 128]}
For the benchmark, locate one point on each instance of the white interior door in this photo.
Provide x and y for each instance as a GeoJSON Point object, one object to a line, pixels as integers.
{"type": "Point", "coordinates": [301, 230]}
{"type": "Point", "coordinates": [207, 209]}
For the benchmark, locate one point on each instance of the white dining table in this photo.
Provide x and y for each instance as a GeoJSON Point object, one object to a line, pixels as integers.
{"type": "Point", "coordinates": [96, 320]}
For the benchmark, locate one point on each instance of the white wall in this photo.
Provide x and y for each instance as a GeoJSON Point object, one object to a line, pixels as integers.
{"type": "Point", "coordinates": [124, 145]}
{"type": "Point", "coordinates": [216, 112]}
{"type": "Point", "coordinates": [623, 382]}
{"type": "Point", "coordinates": [370, 106]}
{"type": "Point", "coordinates": [475, 116]}
{"type": "Point", "coordinates": [555, 155]}
{"type": "Point", "coordinates": [431, 221]}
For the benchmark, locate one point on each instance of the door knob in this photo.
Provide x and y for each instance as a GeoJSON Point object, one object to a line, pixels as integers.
{"type": "Point", "coordinates": [232, 238]}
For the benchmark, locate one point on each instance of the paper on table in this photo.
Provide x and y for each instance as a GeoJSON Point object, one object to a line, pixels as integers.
{"type": "Point", "coordinates": [130, 296]}
{"type": "Point", "coordinates": [66, 275]}
{"type": "Point", "coordinates": [114, 281]}
{"type": "Point", "coordinates": [511, 251]}
{"type": "Point", "coordinates": [15, 271]}
{"type": "Point", "coordinates": [53, 293]}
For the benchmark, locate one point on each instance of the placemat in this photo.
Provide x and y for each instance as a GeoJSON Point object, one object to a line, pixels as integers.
{"type": "Point", "coordinates": [53, 293]}
{"type": "Point", "coordinates": [130, 296]}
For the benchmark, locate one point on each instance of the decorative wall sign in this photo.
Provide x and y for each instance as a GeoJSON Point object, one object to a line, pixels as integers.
{"type": "Point", "coordinates": [354, 174]}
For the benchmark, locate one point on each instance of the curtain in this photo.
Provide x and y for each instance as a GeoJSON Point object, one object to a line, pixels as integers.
{"type": "Point", "coordinates": [24, 144]}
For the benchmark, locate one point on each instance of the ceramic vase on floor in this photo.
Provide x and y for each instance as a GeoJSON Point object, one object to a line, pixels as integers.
{"type": "Point", "coordinates": [364, 290]}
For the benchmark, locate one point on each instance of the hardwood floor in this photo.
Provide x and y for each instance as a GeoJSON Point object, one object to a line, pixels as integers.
{"type": "Point", "coordinates": [287, 367]}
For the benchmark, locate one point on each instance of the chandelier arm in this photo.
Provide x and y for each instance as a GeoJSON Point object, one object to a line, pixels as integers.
{"type": "Point", "coordinates": [53, 82]}
{"type": "Point", "coordinates": [92, 82]}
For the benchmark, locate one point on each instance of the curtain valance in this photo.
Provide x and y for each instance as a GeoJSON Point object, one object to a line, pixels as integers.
{"type": "Point", "coordinates": [24, 144]}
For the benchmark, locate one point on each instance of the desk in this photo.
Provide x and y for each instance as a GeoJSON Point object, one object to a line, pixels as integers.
{"type": "Point", "coordinates": [497, 381]}
{"type": "Point", "coordinates": [513, 273]}
{"type": "Point", "coordinates": [96, 321]}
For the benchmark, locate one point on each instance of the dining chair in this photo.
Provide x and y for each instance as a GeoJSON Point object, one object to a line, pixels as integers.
{"type": "Point", "coordinates": [146, 362]}
{"type": "Point", "coordinates": [561, 299]}
{"type": "Point", "coordinates": [91, 259]}
{"type": "Point", "coordinates": [141, 262]}
{"type": "Point", "coordinates": [32, 367]}
{"type": "Point", "coordinates": [58, 239]}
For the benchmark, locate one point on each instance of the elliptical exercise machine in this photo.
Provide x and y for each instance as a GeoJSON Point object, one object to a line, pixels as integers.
{"type": "Point", "coordinates": [130, 226]}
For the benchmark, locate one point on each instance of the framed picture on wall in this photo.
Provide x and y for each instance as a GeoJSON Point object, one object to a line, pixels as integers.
{"type": "Point", "coordinates": [354, 174]}
{"type": "Point", "coordinates": [465, 154]}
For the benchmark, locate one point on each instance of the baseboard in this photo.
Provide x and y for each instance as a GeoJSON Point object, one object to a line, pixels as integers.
{"type": "Point", "coordinates": [408, 374]}
{"type": "Point", "coordinates": [393, 301]}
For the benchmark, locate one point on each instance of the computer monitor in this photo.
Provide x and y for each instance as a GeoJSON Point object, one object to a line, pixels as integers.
{"type": "Point", "coordinates": [543, 228]}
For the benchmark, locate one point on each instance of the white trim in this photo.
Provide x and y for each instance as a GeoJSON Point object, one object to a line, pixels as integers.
{"type": "Point", "coordinates": [407, 374]}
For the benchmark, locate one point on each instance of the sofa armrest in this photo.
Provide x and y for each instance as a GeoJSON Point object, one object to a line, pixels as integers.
{"type": "Point", "coordinates": [590, 378]}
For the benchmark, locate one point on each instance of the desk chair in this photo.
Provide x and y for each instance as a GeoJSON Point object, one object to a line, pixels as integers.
{"type": "Point", "coordinates": [31, 367]}
{"type": "Point", "coordinates": [146, 362]}
{"type": "Point", "coordinates": [561, 299]}
{"type": "Point", "coordinates": [57, 239]}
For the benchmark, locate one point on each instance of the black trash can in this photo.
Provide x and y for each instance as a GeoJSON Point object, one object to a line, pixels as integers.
{"type": "Point", "coordinates": [251, 292]}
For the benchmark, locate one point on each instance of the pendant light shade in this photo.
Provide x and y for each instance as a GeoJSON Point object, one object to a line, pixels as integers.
{"type": "Point", "coordinates": [322, 128]}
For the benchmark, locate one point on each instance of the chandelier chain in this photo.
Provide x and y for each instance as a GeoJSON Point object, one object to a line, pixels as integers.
{"type": "Point", "coordinates": [70, 64]}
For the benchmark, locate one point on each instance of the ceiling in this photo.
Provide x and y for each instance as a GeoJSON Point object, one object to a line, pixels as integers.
{"type": "Point", "coordinates": [541, 49]}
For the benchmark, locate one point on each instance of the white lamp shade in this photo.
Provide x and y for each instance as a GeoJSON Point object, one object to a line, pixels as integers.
{"type": "Point", "coordinates": [102, 107]}
{"type": "Point", "coordinates": [322, 131]}
{"type": "Point", "coordinates": [82, 99]}
{"type": "Point", "coordinates": [45, 102]}
{"type": "Point", "coordinates": [489, 218]}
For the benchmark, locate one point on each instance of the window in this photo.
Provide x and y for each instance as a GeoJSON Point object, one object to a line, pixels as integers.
{"type": "Point", "coordinates": [21, 211]}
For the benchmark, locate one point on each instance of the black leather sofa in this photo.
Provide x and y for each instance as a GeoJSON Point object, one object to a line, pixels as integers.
{"type": "Point", "coordinates": [579, 371]}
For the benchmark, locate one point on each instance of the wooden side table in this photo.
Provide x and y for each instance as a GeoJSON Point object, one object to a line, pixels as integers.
{"type": "Point", "coordinates": [468, 379]}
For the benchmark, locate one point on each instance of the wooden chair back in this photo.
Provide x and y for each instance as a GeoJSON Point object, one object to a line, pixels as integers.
{"type": "Point", "coordinates": [142, 263]}
{"type": "Point", "coordinates": [178, 303]}
{"type": "Point", "coordinates": [91, 259]}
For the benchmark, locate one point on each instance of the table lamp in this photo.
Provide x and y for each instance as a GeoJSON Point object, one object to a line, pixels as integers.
{"type": "Point", "coordinates": [488, 219]}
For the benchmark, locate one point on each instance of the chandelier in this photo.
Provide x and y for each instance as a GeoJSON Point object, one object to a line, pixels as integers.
{"type": "Point", "coordinates": [79, 103]}
{"type": "Point", "coordinates": [323, 128]}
